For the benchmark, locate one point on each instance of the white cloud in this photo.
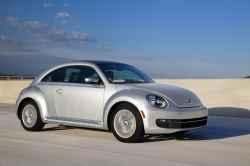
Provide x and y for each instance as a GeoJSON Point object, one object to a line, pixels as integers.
{"type": "Point", "coordinates": [47, 32]}
{"type": "Point", "coordinates": [76, 19]}
{"type": "Point", "coordinates": [47, 15]}
{"type": "Point", "coordinates": [46, 5]}
{"type": "Point", "coordinates": [66, 14]}
{"type": "Point", "coordinates": [63, 22]}
{"type": "Point", "coordinates": [65, 5]}
{"type": "Point", "coordinates": [34, 14]}
{"type": "Point", "coordinates": [79, 25]}
{"type": "Point", "coordinates": [62, 14]}
{"type": "Point", "coordinates": [2, 37]}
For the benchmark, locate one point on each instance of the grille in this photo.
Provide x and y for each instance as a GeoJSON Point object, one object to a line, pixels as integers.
{"type": "Point", "coordinates": [181, 123]}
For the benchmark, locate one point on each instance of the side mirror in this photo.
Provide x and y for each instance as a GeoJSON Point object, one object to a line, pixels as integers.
{"type": "Point", "coordinates": [92, 80]}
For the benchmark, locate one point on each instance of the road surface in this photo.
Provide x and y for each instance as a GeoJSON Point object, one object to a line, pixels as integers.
{"type": "Point", "coordinates": [226, 141]}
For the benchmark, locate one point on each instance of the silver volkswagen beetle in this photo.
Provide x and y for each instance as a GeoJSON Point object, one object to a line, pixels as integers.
{"type": "Point", "coordinates": [109, 96]}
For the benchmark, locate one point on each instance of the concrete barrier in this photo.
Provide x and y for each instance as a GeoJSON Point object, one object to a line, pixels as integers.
{"type": "Point", "coordinates": [223, 97]}
{"type": "Point", "coordinates": [10, 90]}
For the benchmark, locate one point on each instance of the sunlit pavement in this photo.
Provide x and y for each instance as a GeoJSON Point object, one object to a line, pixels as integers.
{"type": "Point", "coordinates": [226, 141]}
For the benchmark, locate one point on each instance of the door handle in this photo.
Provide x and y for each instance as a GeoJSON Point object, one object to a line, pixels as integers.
{"type": "Point", "coordinates": [59, 91]}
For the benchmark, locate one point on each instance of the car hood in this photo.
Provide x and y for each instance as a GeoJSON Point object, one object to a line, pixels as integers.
{"type": "Point", "coordinates": [176, 95]}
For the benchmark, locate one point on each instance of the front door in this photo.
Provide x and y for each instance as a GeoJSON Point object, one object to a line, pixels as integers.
{"type": "Point", "coordinates": [74, 99]}
{"type": "Point", "coordinates": [47, 86]}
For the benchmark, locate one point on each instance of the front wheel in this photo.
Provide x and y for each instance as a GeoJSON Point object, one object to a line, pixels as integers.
{"type": "Point", "coordinates": [126, 124]}
{"type": "Point", "coordinates": [30, 116]}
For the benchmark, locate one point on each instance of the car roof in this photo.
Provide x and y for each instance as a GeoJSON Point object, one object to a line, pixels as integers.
{"type": "Point", "coordinates": [99, 62]}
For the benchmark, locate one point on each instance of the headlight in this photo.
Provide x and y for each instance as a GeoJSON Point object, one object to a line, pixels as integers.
{"type": "Point", "coordinates": [156, 101]}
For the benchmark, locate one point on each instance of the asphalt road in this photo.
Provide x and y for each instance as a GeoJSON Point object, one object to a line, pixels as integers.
{"type": "Point", "coordinates": [226, 141]}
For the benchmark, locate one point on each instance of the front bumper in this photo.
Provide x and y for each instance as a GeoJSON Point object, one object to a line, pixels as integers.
{"type": "Point", "coordinates": [181, 123]}
{"type": "Point", "coordinates": [173, 119]}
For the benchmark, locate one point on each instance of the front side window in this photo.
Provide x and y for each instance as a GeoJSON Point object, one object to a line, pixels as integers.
{"type": "Point", "coordinates": [53, 76]}
{"type": "Point", "coordinates": [77, 74]}
{"type": "Point", "coordinates": [119, 73]}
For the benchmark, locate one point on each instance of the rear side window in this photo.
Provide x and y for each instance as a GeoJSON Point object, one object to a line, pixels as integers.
{"type": "Point", "coordinates": [53, 76]}
{"type": "Point", "coordinates": [77, 74]}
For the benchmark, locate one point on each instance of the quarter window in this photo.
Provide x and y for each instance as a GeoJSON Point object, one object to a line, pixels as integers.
{"type": "Point", "coordinates": [53, 76]}
{"type": "Point", "coordinates": [77, 74]}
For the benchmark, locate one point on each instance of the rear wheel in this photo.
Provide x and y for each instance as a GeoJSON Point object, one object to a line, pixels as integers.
{"type": "Point", "coordinates": [126, 124]}
{"type": "Point", "coordinates": [30, 116]}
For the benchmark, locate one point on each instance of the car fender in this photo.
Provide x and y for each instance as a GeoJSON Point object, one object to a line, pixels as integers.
{"type": "Point", "coordinates": [136, 97]}
{"type": "Point", "coordinates": [35, 94]}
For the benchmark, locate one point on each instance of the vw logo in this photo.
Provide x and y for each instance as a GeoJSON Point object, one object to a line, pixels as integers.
{"type": "Point", "coordinates": [189, 100]}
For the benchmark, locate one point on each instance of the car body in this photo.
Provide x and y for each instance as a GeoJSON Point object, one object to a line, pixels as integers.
{"type": "Point", "coordinates": [92, 102]}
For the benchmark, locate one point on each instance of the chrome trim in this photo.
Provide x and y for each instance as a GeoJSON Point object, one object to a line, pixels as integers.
{"type": "Point", "coordinates": [73, 120]}
{"type": "Point", "coordinates": [91, 80]}
{"type": "Point", "coordinates": [186, 122]}
{"type": "Point", "coordinates": [189, 100]}
{"type": "Point", "coordinates": [59, 91]}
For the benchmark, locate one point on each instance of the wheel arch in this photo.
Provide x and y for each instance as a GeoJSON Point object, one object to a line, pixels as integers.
{"type": "Point", "coordinates": [36, 96]}
{"type": "Point", "coordinates": [113, 108]}
{"type": "Point", "coordinates": [21, 104]}
{"type": "Point", "coordinates": [134, 97]}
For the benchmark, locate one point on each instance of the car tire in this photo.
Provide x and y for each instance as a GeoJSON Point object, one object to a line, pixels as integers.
{"type": "Point", "coordinates": [181, 132]}
{"type": "Point", "coordinates": [30, 116]}
{"type": "Point", "coordinates": [126, 124]}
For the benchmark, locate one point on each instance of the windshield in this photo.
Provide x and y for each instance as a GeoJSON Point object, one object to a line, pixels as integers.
{"type": "Point", "coordinates": [124, 74]}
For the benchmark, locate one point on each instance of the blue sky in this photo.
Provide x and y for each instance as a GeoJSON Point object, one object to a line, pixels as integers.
{"type": "Point", "coordinates": [165, 39]}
